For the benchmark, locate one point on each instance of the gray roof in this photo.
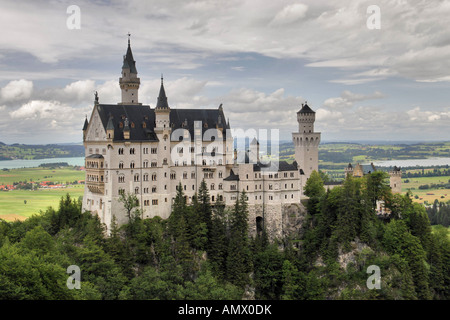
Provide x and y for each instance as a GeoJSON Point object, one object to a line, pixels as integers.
{"type": "Point", "coordinates": [128, 61]}
{"type": "Point", "coordinates": [110, 125]}
{"type": "Point", "coordinates": [142, 118]}
{"type": "Point", "coordinates": [232, 177]}
{"type": "Point", "coordinates": [95, 156]}
{"type": "Point", "coordinates": [162, 98]}
{"type": "Point", "coordinates": [85, 124]}
{"type": "Point", "coordinates": [282, 166]}
{"type": "Point", "coordinates": [306, 109]}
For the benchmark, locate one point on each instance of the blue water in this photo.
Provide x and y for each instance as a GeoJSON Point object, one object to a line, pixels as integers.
{"type": "Point", "coordinates": [413, 162]}
{"type": "Point", "coordinates": [13, 164]}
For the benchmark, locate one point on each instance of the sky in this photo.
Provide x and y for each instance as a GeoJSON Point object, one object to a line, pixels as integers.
{"type": "Point", "coordinates": [369, 74]}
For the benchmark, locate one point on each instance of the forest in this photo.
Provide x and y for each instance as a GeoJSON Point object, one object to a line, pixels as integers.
{"type": "Point", "coordinates": [205, 252]}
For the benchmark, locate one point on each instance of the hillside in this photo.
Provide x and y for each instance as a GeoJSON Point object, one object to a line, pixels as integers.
{"type": "Point", "coordinates": [28, 152]}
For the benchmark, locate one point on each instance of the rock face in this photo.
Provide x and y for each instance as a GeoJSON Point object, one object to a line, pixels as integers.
{"type": "Point", "coordinates": [344, 258]}
{"type": "Point", "coordinates": [279, 220]}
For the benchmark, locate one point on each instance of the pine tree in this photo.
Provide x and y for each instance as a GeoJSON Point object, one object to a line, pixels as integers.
{"type": "Point", "coordinates": [218, 240]}
{"type": "Point", "coordinates": [239, 256]}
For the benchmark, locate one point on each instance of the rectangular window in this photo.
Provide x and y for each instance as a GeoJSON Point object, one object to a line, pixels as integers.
{"type": "Point", "coordinates": [155, 202]}
{"type": "Point", "coordinates": [154, 150]}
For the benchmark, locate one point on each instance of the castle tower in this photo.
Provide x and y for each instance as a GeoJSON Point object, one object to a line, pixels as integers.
{"type": "Point", "coordinates": [254, 151]}
{"type": "Point", "coordinates": [306, 142]}
{"type": "Point", "coordinates": [129, 82]}
{"type": "Point", "coordinates": [395, 180]}
{"type": "Point", "coordinates": [349, 170]}
{"type": "Point", "coordinates": [162, 110]}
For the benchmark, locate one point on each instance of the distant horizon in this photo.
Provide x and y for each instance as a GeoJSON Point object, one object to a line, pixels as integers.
{"type": "Point", "coordinates": [281, 141]}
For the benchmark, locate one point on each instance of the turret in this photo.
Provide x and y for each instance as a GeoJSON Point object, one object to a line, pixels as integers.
{"type": "Point", "coordinates": [129, 82]}
{"type": "Point", "coordinates": [395, 180]}
{"type": "Point", "coordinates": [305, 118]}
{"type": "Point", "coordinates": [254, 151]}
{"type": "Point", "coordinates": [162, 110]}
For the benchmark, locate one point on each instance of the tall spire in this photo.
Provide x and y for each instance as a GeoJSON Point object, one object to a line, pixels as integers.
{"type": "Point", "coordinates": [128, 61]}
{"type": "Point", "coordinates": [129, 82]}
{"type": "Point", "coordinates": [162, 99]}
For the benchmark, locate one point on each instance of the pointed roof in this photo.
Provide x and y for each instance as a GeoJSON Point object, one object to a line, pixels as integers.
{"type": "Point", "coordinates": [162, 98]}
{"type": "Point", "coordinates": [128, 61]}
{"type": "Point", "coordinates": [305, 109]}
{"type": "Point", "coordinates": [110, 125]}
{"type": "Point", "coordinates": [85, 124]}
{"type": "Point", "coordinates": [254, 141]}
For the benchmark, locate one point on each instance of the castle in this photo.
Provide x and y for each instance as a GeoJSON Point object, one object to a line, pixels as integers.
{"type": "Point", "coordinates": [134, 148]}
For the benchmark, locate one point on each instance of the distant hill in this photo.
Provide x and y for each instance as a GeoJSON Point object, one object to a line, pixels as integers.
{"type": "Point", "coordinates": [24, 151]}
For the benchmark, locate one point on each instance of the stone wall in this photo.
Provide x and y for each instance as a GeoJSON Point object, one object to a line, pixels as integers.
{"type": "Point", "coordinates": [279, 220]}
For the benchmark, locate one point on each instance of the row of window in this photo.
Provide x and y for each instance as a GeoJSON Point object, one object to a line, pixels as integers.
{"type": "Point", "coordinates": [154, 189]}
{"type": "Point", "coordinates": [97, 151]}
{"type": "Point", "coordinates": [272, 175]}
{"type": "Point", "coordinates": [94, 164]}
{"type": "Point", "coordinates": [133, 150]}
{"type": "Point", "coordinates": [154, 163]}
{"type": "Point", "coordinates": [173, 176]}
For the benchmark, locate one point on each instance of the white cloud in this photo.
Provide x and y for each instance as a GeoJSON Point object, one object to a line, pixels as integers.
{"type": "Point", "coordinates": [80, 90]}
{"type": "Point", "coordinates": [17, 90]}
{"type": "Point", "coordinates": [289, 14]}
{"type": "Point", "coordinates": [38, 109]}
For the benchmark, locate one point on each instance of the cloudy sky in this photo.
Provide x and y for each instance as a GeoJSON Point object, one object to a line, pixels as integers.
{"type": "Point", "coordinates": [260, 59]}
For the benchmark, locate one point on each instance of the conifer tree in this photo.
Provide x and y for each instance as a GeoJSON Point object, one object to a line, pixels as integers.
{"type": "Point", "coordinates": [218, 239]}
{"type": "Point", "coordinates": [239, 256]}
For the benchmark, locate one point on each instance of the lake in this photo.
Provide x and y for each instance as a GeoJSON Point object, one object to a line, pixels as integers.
{"type": "Point", "coordinates": [413, 162]}
{"type": "Point", "coordinates": [14, 164]}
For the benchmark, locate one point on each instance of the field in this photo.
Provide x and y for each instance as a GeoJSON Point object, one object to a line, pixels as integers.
{"type": "Point", "coordinates": [428, 195]}
{"type": "Point", "coordinates": [12, 203]}
{"type": "Point", "coordinates": [58, 175]}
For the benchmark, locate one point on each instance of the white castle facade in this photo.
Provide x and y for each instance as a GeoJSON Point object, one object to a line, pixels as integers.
{"type": "Point", "coordinates": [134, 148]}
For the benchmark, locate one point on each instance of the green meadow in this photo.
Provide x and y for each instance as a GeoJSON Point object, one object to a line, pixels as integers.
{"type": "Point", "coordinates": [57, 175]}
{"type": "Point", "coordinates": [21, 204]}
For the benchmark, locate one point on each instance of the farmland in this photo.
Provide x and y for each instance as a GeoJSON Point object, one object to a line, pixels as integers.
{"type": "Point", "coordinates": [30, 190]}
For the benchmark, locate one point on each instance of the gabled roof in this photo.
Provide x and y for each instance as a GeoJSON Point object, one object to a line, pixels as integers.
{"type": "Point", "coordinates": [142, 118]}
